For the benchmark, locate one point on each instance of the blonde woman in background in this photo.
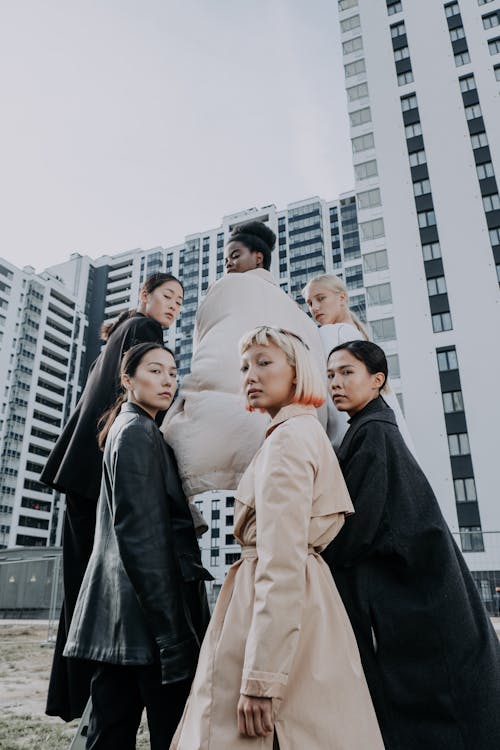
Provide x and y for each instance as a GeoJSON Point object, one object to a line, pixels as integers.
{"type": "Point", "coordinates": [328, 301]}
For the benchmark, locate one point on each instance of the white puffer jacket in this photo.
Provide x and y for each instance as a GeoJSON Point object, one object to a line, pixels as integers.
{"type": "Point", "coordinates": [212, 435]}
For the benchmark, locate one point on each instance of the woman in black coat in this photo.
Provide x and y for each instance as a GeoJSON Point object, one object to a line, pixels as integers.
{"type": "Point", "coordinates": [142, 610]}
{"type": "Point", "coordinates": [429, 651]}
{"type": "Point", "coordinates": [75, 467]}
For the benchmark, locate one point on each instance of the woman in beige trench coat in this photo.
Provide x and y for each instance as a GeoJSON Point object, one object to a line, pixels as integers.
{"type": "Point", "coordinates": [279, 663]}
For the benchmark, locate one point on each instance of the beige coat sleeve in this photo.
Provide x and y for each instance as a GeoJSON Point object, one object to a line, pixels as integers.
{"type": "Point", "coordinates": [283, 498]}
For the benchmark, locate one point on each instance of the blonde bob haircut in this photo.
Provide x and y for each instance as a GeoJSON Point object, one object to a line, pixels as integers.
{"type": "Point", "coordinates": [310, 388]}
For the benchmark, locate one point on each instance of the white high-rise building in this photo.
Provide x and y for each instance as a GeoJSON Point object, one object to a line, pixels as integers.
{"type": "Point", "coordinates": [42, 331]}
{"type": "Point", "coordinates": [422, 82]}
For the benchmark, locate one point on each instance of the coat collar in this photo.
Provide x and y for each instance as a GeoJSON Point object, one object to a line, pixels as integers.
{"type": "Point", "coordinates": [376, 409]}
{"type": "Point", "coordinates": [287, 412]}
{"type": "Point", "coordinates": [264, 275]}
{"type": "Point", "coordinates": [131, 408]}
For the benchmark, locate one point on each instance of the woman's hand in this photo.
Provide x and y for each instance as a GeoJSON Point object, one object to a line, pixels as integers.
{"type": "Point", "coordinates": [255, 716]}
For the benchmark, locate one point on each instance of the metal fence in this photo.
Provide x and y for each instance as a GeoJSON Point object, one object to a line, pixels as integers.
{"type": "Point", "coordinates": [31, 589]}
{"type": "Point", "coordinates": [31, 586]}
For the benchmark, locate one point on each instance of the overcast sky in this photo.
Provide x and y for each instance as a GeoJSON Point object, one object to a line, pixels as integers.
{"type": "Point", "coordinates": [131, 123]}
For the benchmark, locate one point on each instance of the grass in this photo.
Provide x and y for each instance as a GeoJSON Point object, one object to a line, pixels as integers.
{"type": "Point", "coordinates": [24, 678]}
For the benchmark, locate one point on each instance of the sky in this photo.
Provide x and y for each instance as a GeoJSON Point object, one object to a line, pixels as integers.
{"type": "Point", "coordinates": [132, 123]}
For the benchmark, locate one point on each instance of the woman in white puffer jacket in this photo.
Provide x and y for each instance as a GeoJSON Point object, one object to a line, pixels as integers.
{"type": "Point", "coordinates": [212, 436]}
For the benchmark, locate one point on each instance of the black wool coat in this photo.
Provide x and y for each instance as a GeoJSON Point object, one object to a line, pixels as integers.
{"type": "Point", "coordinates": [75, 464]}
{"type": "Point", "coordinates": [430, 654]}
{"type": "Point", "coordinates": [142, 598]}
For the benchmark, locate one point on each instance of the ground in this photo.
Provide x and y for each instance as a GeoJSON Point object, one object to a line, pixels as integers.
{"type": "Point", "coordinates": [25, 660]}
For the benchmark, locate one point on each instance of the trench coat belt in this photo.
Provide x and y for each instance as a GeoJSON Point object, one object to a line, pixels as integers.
{"type": "Point", "coordinates": [250, 553]}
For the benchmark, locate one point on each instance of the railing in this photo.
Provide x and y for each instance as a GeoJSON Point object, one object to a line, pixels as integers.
{"type": "Point", "coordinates": [31, 589]}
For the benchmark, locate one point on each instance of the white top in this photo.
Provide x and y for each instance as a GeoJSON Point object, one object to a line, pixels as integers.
{"type": "Point", "coordinates": [331, 336]}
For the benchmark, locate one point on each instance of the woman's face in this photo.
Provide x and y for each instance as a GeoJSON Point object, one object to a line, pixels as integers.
{"type": "Point", "coordinates": [163, 304]}
{"type": "Point", "coordinates": [238, 258]}
{"type": "Point", "coordinates": [154, 383]}
{"type": "Point", "coordinates": [326, 306]}
{"type": "Point", "coordinates": [350, 384]}
{"type": "Point", "coordinates": [268, 379]}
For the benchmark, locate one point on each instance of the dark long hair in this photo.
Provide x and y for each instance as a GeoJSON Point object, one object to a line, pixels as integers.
{"type": "Point", "coordinates": [149, 285]}
{"type": "Point", "coordinates": [370, 354]}
{"type": "Point", "coordinates": [258, 237]}
{"type": "Point", "coordinates": [130, 362]}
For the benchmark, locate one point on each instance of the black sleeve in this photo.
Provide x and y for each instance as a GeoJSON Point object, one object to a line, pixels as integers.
{"type": "Point", "coordinates": [144, 535]}
{"type": "Point", "coordinates": [366, 474]}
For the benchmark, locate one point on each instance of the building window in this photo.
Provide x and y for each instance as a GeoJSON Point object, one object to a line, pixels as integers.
{"type": "Point", "coordinates": [498, 272]}
{"type": "Point", "coordinates": [458, 33]}
{"type": "Point", "coordinates": [473, 111]}
{"type": "Point", "coordinates": [417, 158]}
{"type": "Point", "coordinates": [485, 170]}
{"type": "Point", "coordinates": [369, 199]}
{"type": "Point", "coordinates": [411, 131]}
{"type": "Point", "coordinates": [401, 54]}
{"type": "Point", "coordinates": [452, 402]}
{"type": "Point", "coordinates": [496, 70]}
{"type": "Point", "coordinates": [441, 322]}
{"type": "Point", "coordinates": [491, 202]}
{"type": "Point", "coordinates": [360, 117]}
{"type": "Point", "coordinates": [362, 143]}
{"type": "Point", "coordinates": [479, 140]}
{"type": "Point", "coordinates": [366, 170]}
{"type": "Point", "coordinates": [354, 277]}
{"type": "Point", "coordinates": [379, 294]}
{"type": "Point", "coordinates": [357, 92]}
{"type": "Point", "coordinates": [232, 557]}
{"type": "Point", "coordinates": [495, 236]}
{"type": "Point", "coordinates": [467, 83]}
{"type": "Point", "coordinates": [355, 68]}
{"type": "Point", "coordinates": [484, 2]}
{"type": "Point", "coordinates": [491, 19]}
{"type": "Point", "coordinates": [394, 7]}
{"type": "Point", "coordinates": [393, 366]}
{"type": "Point", "coordinates": [348, 24]}
{"type": "Point", "coordinates": [458, 444]}
{"type": "Point", "coordinates": [471, 539]}
{"type": "Point", "coordinates": [398, 29]}
{"type": "Point", "coordinates": [346, 4]}
{"type": "Point", "coordinates": [426, 219]}
{"type": "Point", "coordinates": [437, 285]}
{"type": "Point", "coordinates": [409, 102]}
{"type": "Point", "coordinates": [452, 9]}
{"type": "Point", "coordinates": [376, 261]}
{"type": "Point", "coordinates": [447, 360]}
{"type": "Point", "coordinates": [494, 45]}
{"type": "Point", "coordinates": [422, 187]}
{"type": "Point", "coordinates": [404, 78]}
{"type": "Point", "coordinates": [371, 230]}
{"type": "Point", "coordinates": [465, 490]}
{"type": "Point", "coordinates": [352, 45]}
{"type": "Point", "coordinates": [383, 330]}
{"type": "Point", "coordinates": [462, 58]}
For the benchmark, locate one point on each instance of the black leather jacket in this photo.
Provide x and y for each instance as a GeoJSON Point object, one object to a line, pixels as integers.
{"type": "Point", "coordinates": [143, 595]}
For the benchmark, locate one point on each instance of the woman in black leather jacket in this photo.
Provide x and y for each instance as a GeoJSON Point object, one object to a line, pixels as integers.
{"type": "Point", "coordinates": [142, 610]}
{"type": "Point", "coordinates": [75, 468]}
